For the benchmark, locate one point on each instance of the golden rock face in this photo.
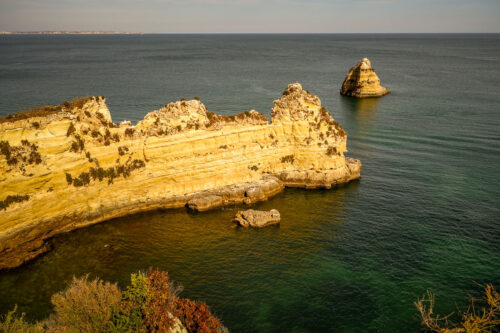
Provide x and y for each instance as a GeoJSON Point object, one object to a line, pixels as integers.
{"type": "Point", "coordinates": [363, 82]}
{"type": "Point", "coordinates": [75, 167]}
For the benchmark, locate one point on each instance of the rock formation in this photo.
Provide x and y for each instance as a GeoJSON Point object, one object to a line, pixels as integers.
{"type": "Point", "coordinates": [257, 218]}
{"type": "Point", "coordinates": [363, 82]}
{"type": "Point", "coordinates": [68, 166]}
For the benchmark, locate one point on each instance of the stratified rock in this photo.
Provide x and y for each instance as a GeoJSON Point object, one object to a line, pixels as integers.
{"type": "Point", "coordinates": [363, 82]}
{"type": "Point", "coordinates": [68, 166]}
{"type": "Point", "coordinates": [125, 123]}
{"type": "Point", "coordinates": [257, 218]}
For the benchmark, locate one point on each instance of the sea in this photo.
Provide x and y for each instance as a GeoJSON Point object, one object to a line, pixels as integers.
{"type": "Point", "coordinates": [425, 215]}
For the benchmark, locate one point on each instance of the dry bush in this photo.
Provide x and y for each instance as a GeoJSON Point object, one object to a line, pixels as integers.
{"type": "Point", "coordinates": [14, 323]}
{"type": "Point", "coordinates": [45, 110]}
{"type": "Point", "coordinates": [475, 320]}
{"type": "Point", "coordinates": [149, 304]}
{"type": "Point", "coordinates": [85, 306]}
{"type": "Point", "coordinates": [161, 301]}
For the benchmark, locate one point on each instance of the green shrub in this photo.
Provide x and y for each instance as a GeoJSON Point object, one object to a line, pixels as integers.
{"type": "Point", "coordinates": [129, 132]}
{"type": "Point", "coordinates": [78, 145]}
{"type": "Point", "coordinates": [130, 315]}
{"type": "Point", "coordinates": [69, 178]}
{"type": "Point", "coordinates": [10, 199]}
{"type": "Point", "coordinates": [77, 182]}
{"type": "Point", "coordinates": [35, 158]}
{"type": "Point", "coordinates": [71, 129]}
{"type": "Point", "coordinates": [16, 154]}
{"type": "Point", "coordinates": [5, 149]}
{"type": "Point", "coordinates": [122, 150]}
{"type": "Point", "coordinates": [288, 159]}
{"type": "Point", "coordinates": [331, 151]}
{"type": "Point", "coordinates": [12, 161]}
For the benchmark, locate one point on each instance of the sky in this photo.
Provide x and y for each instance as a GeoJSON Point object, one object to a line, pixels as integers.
{"type": "Point", "coordinates": [252, 16]}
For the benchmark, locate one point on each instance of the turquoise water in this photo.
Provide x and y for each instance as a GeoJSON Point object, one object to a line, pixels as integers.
{"type": "Point", "coordinates": [425, 214]}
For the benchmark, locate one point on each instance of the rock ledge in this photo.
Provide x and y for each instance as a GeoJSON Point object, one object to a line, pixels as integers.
{"type": "Point", "coordinates": [257, 218]}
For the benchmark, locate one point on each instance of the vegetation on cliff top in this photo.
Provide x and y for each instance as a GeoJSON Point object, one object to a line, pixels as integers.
{"type": "Point", "coordinates": [214, 118]}
{"type": "Point", "coordinates": [45, 110]}
{"type": "Point", "coordinates": [149, 304]}
{"type": "Point", "coordinates": [482, 315]}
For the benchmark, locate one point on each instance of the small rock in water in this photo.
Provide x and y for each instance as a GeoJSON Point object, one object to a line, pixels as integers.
{"type": "Point", "coordinates": [362, 82]}
{"type": "Point", "coordinates": [257, 218]}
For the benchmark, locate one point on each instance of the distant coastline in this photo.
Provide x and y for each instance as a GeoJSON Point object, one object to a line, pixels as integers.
{"type": "Point", "coordinates": [69, 33]}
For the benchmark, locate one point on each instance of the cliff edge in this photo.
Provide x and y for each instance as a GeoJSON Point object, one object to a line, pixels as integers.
{"type": "Point", "coordinates": [69, 166]}
{"type": "Point", "coordinates": [363, 82]}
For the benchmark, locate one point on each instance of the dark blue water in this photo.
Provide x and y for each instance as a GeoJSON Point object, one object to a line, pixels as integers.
{"type": "Point", "coordinates": [425, 215]}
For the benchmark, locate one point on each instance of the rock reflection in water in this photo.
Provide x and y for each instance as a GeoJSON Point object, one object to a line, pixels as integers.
{"type": "Point", "coordinates": [361, 112]}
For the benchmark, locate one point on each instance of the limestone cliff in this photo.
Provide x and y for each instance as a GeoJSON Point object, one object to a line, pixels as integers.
{"type": "Point", "coordinates": [69, 166]}
{"type": "Point", "coordinates": [363, 82]}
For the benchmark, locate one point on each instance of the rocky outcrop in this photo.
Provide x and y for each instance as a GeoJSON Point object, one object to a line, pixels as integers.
{"type": "Point", "coordinates": [363, 82]}
{"type": "Point", "coordinates": [257, 218]}
{"type": "Point", "coordinates": [69, 166]}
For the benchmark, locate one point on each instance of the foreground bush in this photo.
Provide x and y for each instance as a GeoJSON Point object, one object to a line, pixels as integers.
{"type": "Point", "coordinates": [479, 318]}
{"type": "Point", "coordinates": [149, 304]}
{"type": "Point", "coordinates": [85, 306]}
{"type": "Point", "coordinates": [14, 323]}
{"type": "Point", "coordinates": [196, 316]}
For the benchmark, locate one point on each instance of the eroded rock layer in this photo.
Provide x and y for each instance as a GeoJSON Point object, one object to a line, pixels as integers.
{"type": "Point", "coordinates": [363, 82]}
{"type": "Point", "coordinates": [69, 166]}
{"type": "Point", "coordinates": [257, 218]}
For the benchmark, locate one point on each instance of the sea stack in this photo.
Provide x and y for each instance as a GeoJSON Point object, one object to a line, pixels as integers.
{"type": "Point", "coordinates": [363, 82]}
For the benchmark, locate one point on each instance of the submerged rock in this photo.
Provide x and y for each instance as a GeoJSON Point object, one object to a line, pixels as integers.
{"type": "Point", "coordinates": [363, 82]}
{"type": "Point", "coordinates": [257, 218]}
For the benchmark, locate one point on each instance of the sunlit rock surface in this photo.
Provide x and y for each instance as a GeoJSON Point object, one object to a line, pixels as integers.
{"type": "Point", "coordinates": [257, 218]}
{"type": "Point", "coordinates": [363, 82]}
{"type": "Point", "coordinates": [71, 167]}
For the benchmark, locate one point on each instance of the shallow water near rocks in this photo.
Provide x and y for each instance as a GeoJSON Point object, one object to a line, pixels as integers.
{"type": "Point", "coordinates": [424, 215]}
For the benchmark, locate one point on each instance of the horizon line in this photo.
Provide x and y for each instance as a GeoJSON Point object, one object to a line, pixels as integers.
{"type": "Point", "coordinates": [97, 32]}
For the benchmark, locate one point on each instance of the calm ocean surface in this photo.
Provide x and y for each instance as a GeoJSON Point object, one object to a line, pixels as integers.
{"type": "Point", "coordinates": [425, 214]}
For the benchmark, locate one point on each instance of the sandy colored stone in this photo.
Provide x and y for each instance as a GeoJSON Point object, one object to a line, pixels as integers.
{"type": "Point", "coordinates": [363, 82]}
{"type": "Point", "coordinates": [181, 155]}
{"type": "Point", "coordinates": [257, 218]}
